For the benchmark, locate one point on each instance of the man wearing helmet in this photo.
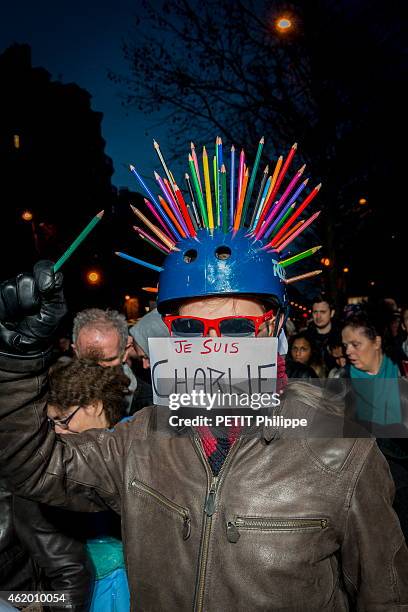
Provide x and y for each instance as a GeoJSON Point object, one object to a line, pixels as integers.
{"type": "Point", "coordinates": [235, 523]}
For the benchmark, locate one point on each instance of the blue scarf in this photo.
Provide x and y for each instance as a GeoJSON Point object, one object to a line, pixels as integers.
{"type": "Point", "coordinates": [377, 397]}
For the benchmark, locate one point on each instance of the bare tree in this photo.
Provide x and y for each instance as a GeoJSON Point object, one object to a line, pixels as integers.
{"type": "Point", "coordinates": [221, 67]}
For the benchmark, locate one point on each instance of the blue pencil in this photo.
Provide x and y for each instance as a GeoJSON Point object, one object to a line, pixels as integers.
{"type": "Point", "coordinates": [139, 261]}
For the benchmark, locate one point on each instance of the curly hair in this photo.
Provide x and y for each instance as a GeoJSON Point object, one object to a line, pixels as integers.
{"type": "Point", "coordinates": [83, 382]}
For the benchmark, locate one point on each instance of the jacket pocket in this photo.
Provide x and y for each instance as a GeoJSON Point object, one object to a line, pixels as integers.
{"type": "Point", "coordinates": [143, 489]}
{"type": "Point", "coordinates": [251, 523]}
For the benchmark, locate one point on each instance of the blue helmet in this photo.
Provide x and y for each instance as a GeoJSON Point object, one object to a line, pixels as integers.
{"type": "Point", "coordinates": [219, 264]}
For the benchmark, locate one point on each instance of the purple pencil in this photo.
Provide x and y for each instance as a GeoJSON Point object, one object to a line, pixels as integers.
{"type": "Point", "coordinates": [280, 202]}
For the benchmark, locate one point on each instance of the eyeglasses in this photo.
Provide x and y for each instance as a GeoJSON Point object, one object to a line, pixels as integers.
{"type": "Point", "coordinates": [63, 423]}
{"type": "Point", "coordinates": [235, 326]}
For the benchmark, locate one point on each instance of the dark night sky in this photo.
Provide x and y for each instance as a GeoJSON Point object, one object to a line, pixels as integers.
{"type": "Point", "coordinates": [79, 42]}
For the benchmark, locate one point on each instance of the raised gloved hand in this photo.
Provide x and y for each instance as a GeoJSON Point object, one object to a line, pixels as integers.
{"type": "Point", "coordinates": [31, 308]}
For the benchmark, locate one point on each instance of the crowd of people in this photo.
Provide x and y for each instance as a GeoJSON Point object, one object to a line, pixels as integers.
{"type": "Point", "coordinates": [98, 379]}
{"type": "Point", "coordinates": [100, 403]}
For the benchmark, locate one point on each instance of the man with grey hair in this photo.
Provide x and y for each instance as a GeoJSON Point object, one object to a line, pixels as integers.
{"type": "Point", "coordinates": [102, 335]}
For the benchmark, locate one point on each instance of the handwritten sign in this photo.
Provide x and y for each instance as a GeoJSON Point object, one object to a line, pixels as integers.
{"type": "Point", "coordinates": [213, 365]}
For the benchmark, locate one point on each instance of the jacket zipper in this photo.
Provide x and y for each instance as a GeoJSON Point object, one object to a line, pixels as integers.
{"type": "Point", "coordinates": [167, 503]}
{"type": "Point", "coordinates": [271, 524]}
{"type": "Point", "coordinates": [209, 509]}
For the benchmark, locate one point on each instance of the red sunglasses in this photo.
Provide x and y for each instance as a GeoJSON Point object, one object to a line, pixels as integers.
{"type": "Point", "coordinates": [235, 326]}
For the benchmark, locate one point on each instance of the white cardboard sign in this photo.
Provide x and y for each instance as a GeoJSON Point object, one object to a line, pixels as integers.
{"type": "Point", "coordinates": [212, 365]}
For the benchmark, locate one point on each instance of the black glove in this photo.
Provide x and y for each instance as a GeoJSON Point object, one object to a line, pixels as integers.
{"type": "Point", "coordinates": [31, 308]}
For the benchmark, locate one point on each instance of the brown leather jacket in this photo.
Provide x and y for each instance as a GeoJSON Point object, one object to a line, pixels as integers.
{"type": "Point", "coordinates": [289, 525]}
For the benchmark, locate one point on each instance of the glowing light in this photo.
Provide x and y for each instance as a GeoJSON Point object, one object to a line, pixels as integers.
{"type": "Point", "coordinates": [27, 215]}
{"type": "Point", "coordinates": [345, 270]}
{"type": "Point", "coordinates": [93, 277]}
{"type": "Point", "coordinates": [372, 283]}
{"type": "Point", "coordinates": [362, 201]}
{"type": "Point", "coordinates": [325, 261]}
{"type": "Point", "coordinates": [127, 297]}
{"type": "Point", "coordinates": [283, 24]}
{"type": "Point", "coordinates": [16, 141]}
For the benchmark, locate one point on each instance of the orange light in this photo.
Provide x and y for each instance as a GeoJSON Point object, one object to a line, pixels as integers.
{"type": "Point", "coordinates": [345, 270]}
{"type": "Point", "coordinates": [325, 261]}
{"type": "Point", "coordinates": [27, 215]}
{"type": "Point", "coordinates": [283, 24]}
{"type": "Point", "coordinates": [362, 201]}
{"type": "Point", "coordinates": [127, 297]}
{"type": "Point", "coordinates": [93, 277]}
{"type": "Point", "coordinates": [16, 141]}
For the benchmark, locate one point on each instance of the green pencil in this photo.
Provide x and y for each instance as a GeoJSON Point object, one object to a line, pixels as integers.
{"type": "Point", "coordinates": [198, 190]}
{"type": "Point", "coordinates": [291, 260]}
{"type": "Point", "coordinates": [252, 181]}
{"type": "Point", "coordinates": [78, 240]}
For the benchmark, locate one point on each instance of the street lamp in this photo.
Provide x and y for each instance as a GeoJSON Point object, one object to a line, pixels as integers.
{"type": "Point", "coordinates": [283, 24]}
{"type": "Point", "coordinates": [345, 270]}
{"type": "Point", "coordinates": [93, 277]}
{"type": "Point", "coordinates": [27, 215]}
{"type": "Point", "coordinates": [362, 201]}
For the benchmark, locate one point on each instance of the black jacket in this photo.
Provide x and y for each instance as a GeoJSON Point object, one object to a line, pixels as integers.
{"type": "Point", "coordinates": [35, 555]}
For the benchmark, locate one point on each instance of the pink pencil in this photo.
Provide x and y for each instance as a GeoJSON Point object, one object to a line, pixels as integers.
{"type": "Point", "coordinates": [305, 225]}
{"type": "Point", "coordinates": [196, 166]}
{"type": "Point", "coordinates": [240, 176]}
{"type": "Point", "coordinates": [296, 214]}
{"type": "Point", "coordinates": [139, 230]}
{"type": "Point", "coordinates": [275, 189]}
{"type": "Point", "coordinates": [153, 211]}
{"type": "Point", "coordinates": [280, 202]}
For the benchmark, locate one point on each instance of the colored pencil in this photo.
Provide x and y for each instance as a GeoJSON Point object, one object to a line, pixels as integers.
{"type": "Point", "coordinates": [300, 277]}
{"type": "Point", "coordinates": [169, 243]}
{"type": "Point", "coordinates": [238, 213]}
{"type": "Point", "coordinates": [232, 185]}
{"type": "Point", "coordinates": [261, 190]}
{"type": "Point", "coordinates": [240, 178]}
{"type": "Point", "coordinates": [145, 264]}
{"type": "Point", "coordinates": [163, 163]}
{"type": "Point", "coordinates": [172, 216]}
{"type": "Point", "coordinates": [184, 211]}
{"type": "Point", "coordinates": [196, 166]}
{"type": "Point", "coordinates": [289, 233]}
{"type": "Point", "coordinates": [295, 258]}
{"type": "Point", "coordinates": [159, 219]}
{"type": "Point", "coordinates": [78, 240]}
{"type": "Point", "coordinates": [208, 189]}
{"type": "Point", "coordinates": [276, 186]}
{"type": "Point", "coordinates": [193, 202]}
{"type": "Point", "coordinates": [279, 203]}
{"type": "Point", "coordinates": [252, 181]}
{"type": "Point", "coordinates": [224, 199]}
{"type": "Point", "coordinates": [198, 191]}
{"type": "Point", "coordinates": [152, 241]}
{"type": "Point", "coordinates": [298, 212]}
{"type": "Point", "coordinates": [305, 225]}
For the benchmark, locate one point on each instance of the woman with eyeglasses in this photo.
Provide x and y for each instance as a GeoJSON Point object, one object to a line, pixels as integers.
{"type": "Point", "coordinates": [83, 396]}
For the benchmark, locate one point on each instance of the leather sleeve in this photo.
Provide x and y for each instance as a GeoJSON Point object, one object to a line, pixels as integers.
{"type": "Point", "coordinates": [63, 561]}
{"type": "Point", "coordinates": [374, 553]}
{"type": "Point", "coordinates": [80, 472]}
